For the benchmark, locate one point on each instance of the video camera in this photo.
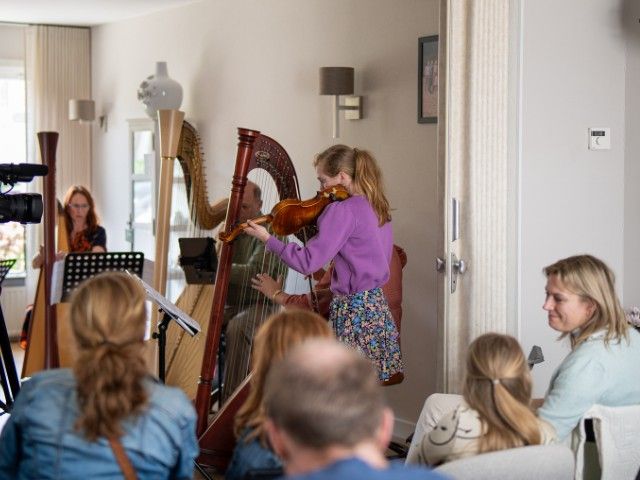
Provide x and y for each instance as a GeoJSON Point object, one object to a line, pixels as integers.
{"type": "Point", "coordinates": [20, 207]}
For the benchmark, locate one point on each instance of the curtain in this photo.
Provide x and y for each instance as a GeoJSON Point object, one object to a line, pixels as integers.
{"type": "Point", "coordinates": [57, 68]}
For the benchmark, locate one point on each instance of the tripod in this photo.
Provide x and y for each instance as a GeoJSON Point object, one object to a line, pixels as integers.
{"type": "Point", "coordinates": [8, 376]}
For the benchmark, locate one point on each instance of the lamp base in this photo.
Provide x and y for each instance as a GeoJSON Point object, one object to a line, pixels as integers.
{"type": "Point", "coordinates": [352, 107]}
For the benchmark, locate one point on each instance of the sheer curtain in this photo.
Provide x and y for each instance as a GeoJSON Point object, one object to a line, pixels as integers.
{"type": "Point", "coordinates": [58, 68]}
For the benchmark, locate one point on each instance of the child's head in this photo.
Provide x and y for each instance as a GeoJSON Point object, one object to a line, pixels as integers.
{"type": "Point", "coordinates": [280, 332]}
{"type": "Point", "coordinates": [276, 336]}
{"type": "Point", "coordinates": [498, 387]}
{"type": "Point", "coordinates": [357, 171]}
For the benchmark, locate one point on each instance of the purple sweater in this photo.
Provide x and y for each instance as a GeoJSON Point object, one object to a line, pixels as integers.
{"type": "Point", "coordinates": [348, 233]}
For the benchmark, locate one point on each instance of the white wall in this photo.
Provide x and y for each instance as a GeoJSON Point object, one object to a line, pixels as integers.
{"type": "Point", "coordinates": [254, 63]}
{"type": "Point", "coordinates": [12, 42]}
{"type": "Point", "coordinates": [572, 199]}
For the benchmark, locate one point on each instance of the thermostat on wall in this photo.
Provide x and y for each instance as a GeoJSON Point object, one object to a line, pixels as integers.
{"type": "Point", "coordinates": [599, 138]}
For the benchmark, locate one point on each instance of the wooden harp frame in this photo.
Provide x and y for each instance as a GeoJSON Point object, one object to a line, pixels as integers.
{"type": "Point", "coordinates": [254, 151]}
{"type": "Point", "coordinates": [42, 348]}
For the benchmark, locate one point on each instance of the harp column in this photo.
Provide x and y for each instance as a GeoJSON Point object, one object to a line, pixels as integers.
{"type": "Point", "coordinates": [170, 126]}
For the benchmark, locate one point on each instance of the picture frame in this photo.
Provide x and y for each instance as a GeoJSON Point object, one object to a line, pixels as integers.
{"type": "Point", "coordinates": [428, 79]}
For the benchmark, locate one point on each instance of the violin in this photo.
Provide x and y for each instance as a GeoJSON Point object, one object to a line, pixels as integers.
{"type": "Point", "coordinates": [290, 215]}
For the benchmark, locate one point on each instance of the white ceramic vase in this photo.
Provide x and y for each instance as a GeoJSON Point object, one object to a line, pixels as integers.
{"type": "Point", "coordinates": [159, 92]}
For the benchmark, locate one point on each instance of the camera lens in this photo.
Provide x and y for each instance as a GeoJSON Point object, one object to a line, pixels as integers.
{"type": "Point", "coordinates": [22, 207]}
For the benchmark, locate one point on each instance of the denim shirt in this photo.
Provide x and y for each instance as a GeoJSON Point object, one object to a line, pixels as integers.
{"type": "Point", "coordinates": [250, 456]}
{"type": "Point", "coordinates": [40, 441]}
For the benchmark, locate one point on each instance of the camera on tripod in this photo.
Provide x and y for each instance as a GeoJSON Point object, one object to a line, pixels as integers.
{"type": "Point", "coordinates": [20, 207]}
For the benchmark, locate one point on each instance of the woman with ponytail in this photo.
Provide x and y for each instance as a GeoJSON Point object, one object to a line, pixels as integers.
{"type": "Point", "coordinates": [356, 234]}
{"type": "Point", "coordinates": [107, 415]}
{"type": "Point", "coordinates": [496, 412]}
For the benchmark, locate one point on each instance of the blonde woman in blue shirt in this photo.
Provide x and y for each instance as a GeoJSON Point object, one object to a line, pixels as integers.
{"type": "Point", "coordinates": [602, 367]}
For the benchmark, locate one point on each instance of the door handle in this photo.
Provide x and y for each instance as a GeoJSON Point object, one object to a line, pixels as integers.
{"type": "Point", "coordinates": [458, 267]}
{"type": "Point", "coordinates": [441, 264]}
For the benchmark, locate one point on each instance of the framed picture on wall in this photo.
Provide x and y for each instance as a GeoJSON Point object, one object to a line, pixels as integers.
{"type": "Point", "coordinates": [428, 79]}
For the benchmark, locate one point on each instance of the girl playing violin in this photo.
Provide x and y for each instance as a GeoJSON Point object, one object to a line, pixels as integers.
{"type": "Point", "coordinates": [356, 234]}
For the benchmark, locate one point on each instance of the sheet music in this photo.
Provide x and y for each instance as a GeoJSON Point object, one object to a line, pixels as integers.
{"type": "Point", "coordinates": [57, 276]}
{"type": "Point", "coordinates": [185, 321]}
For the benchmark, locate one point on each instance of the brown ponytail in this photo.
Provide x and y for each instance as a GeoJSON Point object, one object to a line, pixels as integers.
{"type": "Point", "coordinates": [362, 167]}
{"type": "Point", "coordinates": [276, 336]}
{"type": "Point", "coordinates": [108, 318]}
{"type": "Point", "coordinates": [498, 387]}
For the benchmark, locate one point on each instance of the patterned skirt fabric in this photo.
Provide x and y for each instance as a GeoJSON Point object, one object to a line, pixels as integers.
{"type": "Point", "coordinates": [363, 321]}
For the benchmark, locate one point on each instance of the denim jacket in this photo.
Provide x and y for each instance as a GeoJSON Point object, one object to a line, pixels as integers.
{"type": "Point", "coordinates": [40, 441]}
{"type": "Point", "coordinates": [251, 456]}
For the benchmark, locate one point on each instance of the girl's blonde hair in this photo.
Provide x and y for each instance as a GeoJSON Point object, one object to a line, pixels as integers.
{"type": "Point", "coordinates": [108, 318]}
{"type": "Point", "coordinates": [591, 279]}
{"type": "Point", "coordinates": [275, 337]}
{"type": "Point", "coordinates": [363, 169]}
{"type": "Point", "coordinates": [498, 387]}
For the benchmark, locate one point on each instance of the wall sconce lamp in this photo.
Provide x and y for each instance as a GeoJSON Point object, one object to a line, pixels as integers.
{"type": "Point", "coordinates": [338, 81]}
{"type": "Point", "coordinates": [84, 111]}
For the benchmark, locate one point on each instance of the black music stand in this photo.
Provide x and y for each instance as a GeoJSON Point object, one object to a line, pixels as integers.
{"type": "Point", "coordinates": [169, 312]}
{"type": "Point", "coordinates": [81, 266]}
{"type": "Point", "coordinates": [8, 374]}
{"type": "Point", "coordinates": [198, 259]}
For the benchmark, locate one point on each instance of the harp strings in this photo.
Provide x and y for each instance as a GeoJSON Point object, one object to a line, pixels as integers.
{"type": "Point", "coordinates": [254, 306]}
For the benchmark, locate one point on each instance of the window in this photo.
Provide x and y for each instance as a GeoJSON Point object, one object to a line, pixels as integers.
{"type": "Point", "coordinates": [13, 145]}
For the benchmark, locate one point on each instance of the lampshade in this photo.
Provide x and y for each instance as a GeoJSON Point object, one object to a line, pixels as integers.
{"type": "Point", "coordinates": [336, 80]}
{"type": "Point", "coordinates": [82, 110]}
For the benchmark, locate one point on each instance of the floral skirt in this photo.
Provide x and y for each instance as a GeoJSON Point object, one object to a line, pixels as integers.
{"type": "Point", "coordinates": [363, 321]}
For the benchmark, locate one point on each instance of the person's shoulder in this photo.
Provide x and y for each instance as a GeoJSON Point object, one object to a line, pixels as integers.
{"type": "Point", "coordinates": [359, 208]}
{"type": "Point", "coordinates": [48, 389]}
{"type": "Point", "coordinates": [171, 401]}
{"type": "Point", "coordinates": [57, 377]}
{"type": "Point", "coordinates": [341, 210]}
{"type": "Point", "coordinates": [356, 469]}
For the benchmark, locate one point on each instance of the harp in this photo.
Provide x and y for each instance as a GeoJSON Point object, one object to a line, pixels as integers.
{"type": "Point", "coordinates": [42, 348]}
{"type": "Point", "coordinates": [255, 151]}
{"type": "Point", "coordinates": [184, 353]}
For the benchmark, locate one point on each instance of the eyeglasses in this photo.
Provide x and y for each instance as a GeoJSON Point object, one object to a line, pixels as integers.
{"type": "Point", "coordinates": [79, 206]}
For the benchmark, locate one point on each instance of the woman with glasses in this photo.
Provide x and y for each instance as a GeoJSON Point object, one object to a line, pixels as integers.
{"type": "Point", "coordinates": [85, 235]}
{"type": "Point", "coordinates": [83, 231]}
